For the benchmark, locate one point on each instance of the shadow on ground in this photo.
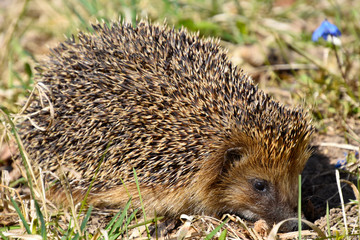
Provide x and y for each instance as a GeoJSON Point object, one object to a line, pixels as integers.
{"type": "Point", "coordinates": [319, 186]}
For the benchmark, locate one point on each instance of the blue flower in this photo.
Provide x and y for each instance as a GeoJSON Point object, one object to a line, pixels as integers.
{"type": "Point", "coordinates": [340, 163]}
{"type": "Point", "coordinates": [325, 29]}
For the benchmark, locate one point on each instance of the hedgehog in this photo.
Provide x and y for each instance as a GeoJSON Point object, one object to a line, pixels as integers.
{"type": "Point", "coordinates": [169, 105]}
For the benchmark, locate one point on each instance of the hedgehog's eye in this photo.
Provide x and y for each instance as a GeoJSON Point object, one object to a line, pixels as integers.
{"type": "Point", "coordinates": [260, 185]}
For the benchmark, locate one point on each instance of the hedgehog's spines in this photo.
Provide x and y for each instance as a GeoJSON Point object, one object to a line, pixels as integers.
{"type": "Point", "coordinates": [171, 103]}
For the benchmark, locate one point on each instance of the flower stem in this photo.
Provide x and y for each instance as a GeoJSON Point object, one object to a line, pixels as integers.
{"type": "Point", "coordinates": [338, 61]}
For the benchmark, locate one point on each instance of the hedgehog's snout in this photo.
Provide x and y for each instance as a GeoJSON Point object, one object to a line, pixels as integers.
{"type": "Point", "coordinates": [284, 212]}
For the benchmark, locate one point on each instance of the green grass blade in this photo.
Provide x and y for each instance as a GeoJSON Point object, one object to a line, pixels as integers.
{"type": "Point", "coordinates": [68, 232]}
{"type": "Point", "coordinates": [2, 236]}
{"type": "Point", "coordinates": [120, 221]}
{"type": "Point", "coordinates": [73, 10]}
{"type": "Point", "coordinates": [213, 232]}
{"type": "Point", "coordinates": [223, 235]}
{"type": "Point", "coordinates": [26, 225]}
{"type": "Point", "coordinates": [144, 223]}
{"type": "Point", "coordinates": [134, 10]}
{"type": "Point", "coordinates": [41, 217]}
{"type": "Point", "coordinates": [132, 216]}
{"type": "Point", "coordinates": [77, 236]}
{"type": "Point", "coordinates": [83, 202]}
{"type": "Point", "coordinates": [141, 202]}
{"type": "Point", "coordinates": [115, 236]}
{"type": "Point", "coordinates": [110, 224]}
{"type": "Point", "coordinates": [86, 219]}
{"type": "Point", "coordinates": [21, 180]}
{"type": "Point", "coordinates": [90, 8]}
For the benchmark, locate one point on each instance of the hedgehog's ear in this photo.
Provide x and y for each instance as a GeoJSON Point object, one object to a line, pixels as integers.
{"type": "Point", "coordinates": [233, 154]}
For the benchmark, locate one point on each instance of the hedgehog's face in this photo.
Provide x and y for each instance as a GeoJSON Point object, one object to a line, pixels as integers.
{"type": "Point", "coordinates": [255, 191]}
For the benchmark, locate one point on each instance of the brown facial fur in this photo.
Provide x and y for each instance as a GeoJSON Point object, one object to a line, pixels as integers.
{"type": "Point", "coordinates": [201, 136]}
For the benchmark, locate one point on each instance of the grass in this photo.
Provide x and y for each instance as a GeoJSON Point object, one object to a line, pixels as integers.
{"type": "Point", "coordinates": [286, 63]}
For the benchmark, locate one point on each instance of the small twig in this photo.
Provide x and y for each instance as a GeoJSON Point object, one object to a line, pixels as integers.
{"type": "Point", "coordinates": [338, 60]}
{"type": "Point", "coordinates": [308, 57]}
{"type": "Point", "coordinates": [337, 175]}
{"type": "Point", "coordinates": [339, 145]}
{"type": "Point", "coordinates": [284, 67]}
